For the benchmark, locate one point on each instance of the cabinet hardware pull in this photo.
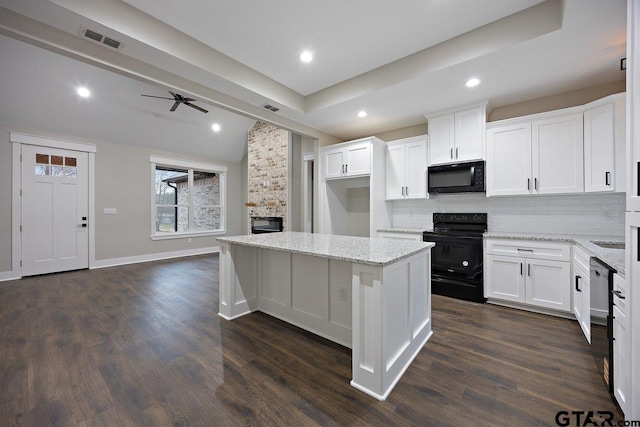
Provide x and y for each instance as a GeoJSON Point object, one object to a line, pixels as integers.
{"type": "Point", "coordinates": [607, 178]}
{"type": "Point", "coordinates": [456, 152]}
{"type": "Point", "coordinates": [452, 153]}
{"type": "Point", "coordinates": [521, 269]}
{"type": "Point", "coordinates": [406, 191]}
{"type": "Point", "coordinates": [577, 287]}
{"type": "Point", "coordinates": [525, 250]}
{"type": "Point", "coordinates": [638, 240]}
{"type": "Point", "coordinates": [342, 168]}
{"type": "Point", "coordinates": [618, 294]}
{"type": "Point", "coordinates": [403, 191]}
{"type": "Point", "coordinates": [638, 183]}
{"type": "Point", "coordinates": [346, 168]}
{"type": "Point", "coordinates": [535, 183]}
{"type": "Point", "coordinates": [528, 183]}
{"type": "Point", "coordinates": [529, 270]}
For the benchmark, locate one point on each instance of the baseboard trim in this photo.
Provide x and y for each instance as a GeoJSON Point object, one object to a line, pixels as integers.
{"type": "Point", "coordinates": [113, 262]}
{"type": "Point", "coordinates": [9, 275]}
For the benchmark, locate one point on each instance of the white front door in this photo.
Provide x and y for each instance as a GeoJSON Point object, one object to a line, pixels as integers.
{"type": "Point", "coordinates": [55, 209]}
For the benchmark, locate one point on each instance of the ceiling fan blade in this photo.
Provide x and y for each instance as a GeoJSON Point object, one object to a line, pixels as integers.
{"type": "Point", "coordinates": [175, 105]}
{"type": "Point", "coordinates": [175, 96]}
{"type": "Point", "coordinates": [196, 107]}
{"type": "Point", "coordinates": [152, 96]}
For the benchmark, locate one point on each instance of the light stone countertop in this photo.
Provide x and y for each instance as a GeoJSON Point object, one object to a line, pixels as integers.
{"type": "Point", "coordinates": [614, 258]}
{"type": "Point", "coordinates": [363, 250]}
{"type": "Point", "coordinates": [402, 230]}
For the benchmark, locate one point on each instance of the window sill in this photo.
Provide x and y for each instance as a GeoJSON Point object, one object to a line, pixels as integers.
{"type": "Point", "coordinates": [187, 234]}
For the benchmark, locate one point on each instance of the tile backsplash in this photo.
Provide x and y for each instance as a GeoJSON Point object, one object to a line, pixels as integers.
{"type": "Point", "coordinates": [584, 214]}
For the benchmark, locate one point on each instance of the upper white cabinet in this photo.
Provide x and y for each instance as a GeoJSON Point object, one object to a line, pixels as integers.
{"type": "Point", "coordinates": [509, 160]}
{"type": "Point", "coordinates": [604, 145]}
{"type": "Point", "coordinates": [348, 159]}
{"type": "Point", "coordinates": [542, 154]}
{"type": "Point", "coordinates": [457, 136]}
{"type": "Point", "coordinates": [406, 168]}
{"type": "Point", "coordinates": [558, 164]}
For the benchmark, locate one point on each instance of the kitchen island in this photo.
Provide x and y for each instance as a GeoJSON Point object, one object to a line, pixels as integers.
{"type": "Point", "coordinates": [371, 295]}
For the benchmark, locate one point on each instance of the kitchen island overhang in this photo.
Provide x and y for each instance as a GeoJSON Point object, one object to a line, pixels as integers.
{"type": "Point", "coordinates": [371, 295]}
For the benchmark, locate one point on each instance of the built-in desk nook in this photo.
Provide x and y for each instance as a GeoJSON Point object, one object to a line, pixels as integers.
{"type": "Point", "coordinates": [371, 295]}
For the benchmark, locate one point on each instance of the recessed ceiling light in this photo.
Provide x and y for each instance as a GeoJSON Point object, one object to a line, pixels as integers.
{"type": "Point", "coordinates": [362, 113]}
{"type": "Point", "coordinates": [84, 92]}
{"type": "Point", "coordinates": [215, 127]}
{"type": "Point", "coordinates": [472, 82]}
{"type": "Point", "coordinates": [306, 56]}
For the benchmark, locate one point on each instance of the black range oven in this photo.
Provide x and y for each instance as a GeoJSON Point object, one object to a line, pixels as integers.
{"type": "Point", "coordinates": [456, 260]}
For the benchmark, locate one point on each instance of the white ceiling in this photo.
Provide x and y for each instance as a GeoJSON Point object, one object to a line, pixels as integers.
{"type": "Point", "coordinates": [375, 55]}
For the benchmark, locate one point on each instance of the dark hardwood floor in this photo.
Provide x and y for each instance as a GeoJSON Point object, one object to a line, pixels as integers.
{"type": "Point", "coordinates": [143, 345]}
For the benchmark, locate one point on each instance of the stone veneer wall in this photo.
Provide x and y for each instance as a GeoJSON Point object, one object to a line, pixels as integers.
{"type": "Point", "coordinates": [267, 162]}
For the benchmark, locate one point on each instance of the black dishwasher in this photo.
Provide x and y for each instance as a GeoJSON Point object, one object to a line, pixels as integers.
{"type": "Point", "coordinates": [601, 281]}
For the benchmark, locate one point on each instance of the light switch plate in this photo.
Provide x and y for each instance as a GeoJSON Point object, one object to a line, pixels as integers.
{"type": "Point", "coordinates": [110, 211]}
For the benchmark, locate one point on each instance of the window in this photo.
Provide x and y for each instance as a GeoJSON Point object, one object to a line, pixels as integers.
{"type": "Point", "coordinates": [188, 198]}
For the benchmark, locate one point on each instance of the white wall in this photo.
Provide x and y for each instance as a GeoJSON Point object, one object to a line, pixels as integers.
{"type": "Point", "coordinates": [586, 214]}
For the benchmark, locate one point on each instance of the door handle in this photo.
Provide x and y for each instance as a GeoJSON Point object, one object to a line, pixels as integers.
{"type": "Point", "coordinates": [618, 294]}
{"type": "Point", "coordinates": [607, 178]}
{"type": "Point", "coordinates": [81, 226]}
{"type": "Point", "coordinates": [577, 287]}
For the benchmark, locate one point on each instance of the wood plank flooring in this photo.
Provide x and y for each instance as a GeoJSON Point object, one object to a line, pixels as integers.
{"type": "Point", "coordinates": [143, 345]}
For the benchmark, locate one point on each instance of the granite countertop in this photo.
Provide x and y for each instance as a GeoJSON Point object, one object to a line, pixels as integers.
{"type": "Point", "coordinates": [614, 258]}
{"type": "Point", "coordinates": [402, 230]}
{"type": "Point", "coordinates": [363, 250]}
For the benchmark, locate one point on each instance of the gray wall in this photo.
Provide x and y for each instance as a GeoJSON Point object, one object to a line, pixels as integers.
{"type": "Point", "coordinates": [122, 182]}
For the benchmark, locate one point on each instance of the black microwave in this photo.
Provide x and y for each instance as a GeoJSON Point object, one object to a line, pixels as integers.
{"type": "Point", "coordinates": [456, 178]}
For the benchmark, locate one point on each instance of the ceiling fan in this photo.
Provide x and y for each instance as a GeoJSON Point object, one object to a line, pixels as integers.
{"type": "Point", "coordinates": [179, 99]}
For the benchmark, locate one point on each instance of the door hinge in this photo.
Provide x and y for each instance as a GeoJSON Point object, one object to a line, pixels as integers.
{"type": "Point", "coordinates": [21, 228]}
{"type": "Point", "coordinates": [21, 192]}
{"type": "Point", "coordinates": [20, 157]}
{"type": "Point", "coordinates": [20, 263]}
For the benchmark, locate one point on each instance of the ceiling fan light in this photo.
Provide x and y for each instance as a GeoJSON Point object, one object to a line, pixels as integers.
{"type": "Point", "coordinates": [84, 92]}
{"type": "Point", "coordinates": [472, 82]}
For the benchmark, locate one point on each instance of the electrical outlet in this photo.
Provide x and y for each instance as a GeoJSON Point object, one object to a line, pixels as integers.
{"type": "Point", "coordinates": [343, 294]}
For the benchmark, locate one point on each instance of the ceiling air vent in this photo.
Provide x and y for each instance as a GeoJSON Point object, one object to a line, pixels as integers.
{"type": "Point", "coordinates": [270, 107]}
{"type": "Point", "coordinates": [95, 36]}
{"type": "Point", "coordinates": [111, 42]}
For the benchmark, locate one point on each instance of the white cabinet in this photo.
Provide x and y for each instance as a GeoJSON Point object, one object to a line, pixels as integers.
{"type": "Point", "coordinates": [604, 144]}
{"type": "Point", "coordinates": [406, 168]}
{"type": "Point", "coordinates": [582, 291]}
{"type": "Point", "coordinates": [621, 347]}
{"type": "Point", "coordinates": [509, 160]}
{"type": "Point", "coordinates": [457, 137]}
{"type": "Point", "coordinates": [541, 156]}
{"type": "Point", "coordinates": [528, 272]}
{"type": "Point", "coordinates": [558, 155]}
{"type": "Point", "coordinates": [346, 160]}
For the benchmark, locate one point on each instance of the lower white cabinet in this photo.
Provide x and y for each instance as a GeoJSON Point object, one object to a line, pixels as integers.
{"type": "Point", "coordinates": [530, 273]}
{"type": "Point", "coordinates": [621, 348]}
{"type": "Point", "coordinates": [582, 290]}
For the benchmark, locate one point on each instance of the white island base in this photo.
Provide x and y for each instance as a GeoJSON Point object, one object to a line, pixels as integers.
{"type": "Point", "coordinates": [371, 295]}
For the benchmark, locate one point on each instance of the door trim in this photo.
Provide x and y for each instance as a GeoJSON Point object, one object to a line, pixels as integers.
{"type": "Point", "coordinates": [17, 140]}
